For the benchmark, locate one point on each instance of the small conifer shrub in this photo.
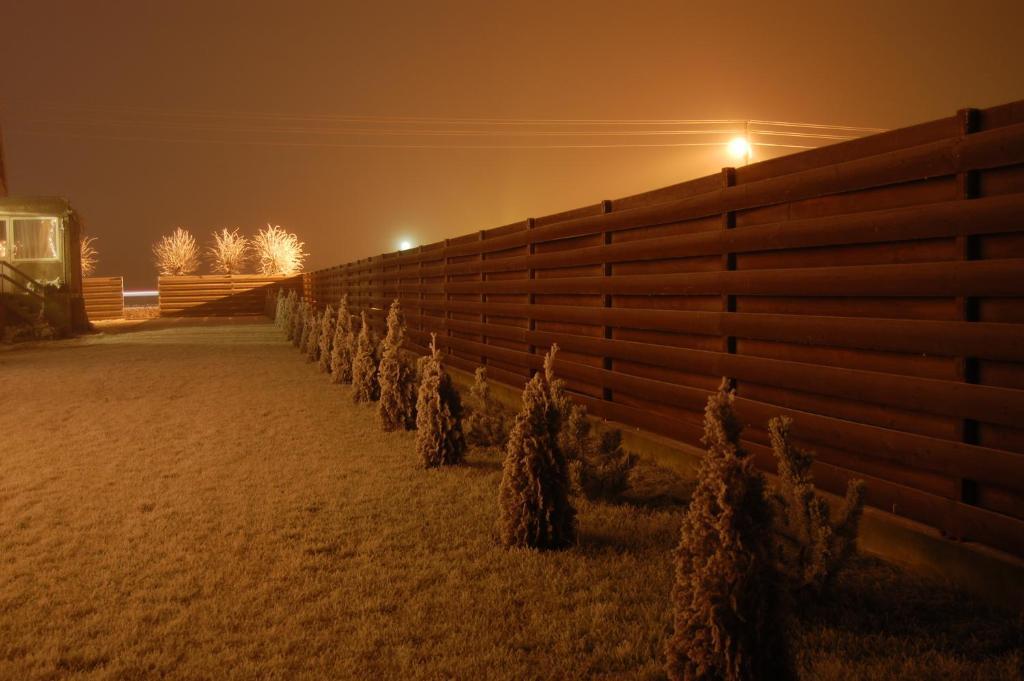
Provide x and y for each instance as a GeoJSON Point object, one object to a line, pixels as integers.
{"type": "Point", "coordinates": [486, 424]}
{"type": "Point", "coordinates": [599, 467]}
{"type": "Point", "coordinates": [818, 549]}
{"type": "Point", "coordinates": [439, 437]}
{"type": "Point", "coordinates": [314, 322]}
{"type": "Point", "coordinates": [534, 510]}
{"type": "Point", "coordinates": [325, 340]}
{"type": "Point", "coordinates": [279, 307]}
{"type": "Point", "coordinates": [299, 322]}
{"type": "Point", "coordinates": [365, 387]}
{"type": "Point", "coordinates": [343, 345]}
{"type": "Point", "coordinates": [397, 377]}
{"type": "Point", "coordinates": [725, 599]}
{"type": "Point", "coordinates": [602, 472]}
{"type": "Point", "coordinates": [286, 317]}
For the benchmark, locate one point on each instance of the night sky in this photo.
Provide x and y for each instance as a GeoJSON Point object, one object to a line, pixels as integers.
{"type": "Point", "coordinates": [150, 115]}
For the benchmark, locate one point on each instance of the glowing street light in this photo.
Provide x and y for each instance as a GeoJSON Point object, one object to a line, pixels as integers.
{"type": "Point", "coordinates": [405, 245]}
{"type": "Point", "coordinates": [739, 147]}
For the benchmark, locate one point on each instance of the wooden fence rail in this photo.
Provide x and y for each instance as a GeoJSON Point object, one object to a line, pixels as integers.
{"type": "Point", "coordinates": [104, 297]}
{"type": "Point", "coordinates": [218, 294]}
{"type": "Point", "coordinates": [872, 290]}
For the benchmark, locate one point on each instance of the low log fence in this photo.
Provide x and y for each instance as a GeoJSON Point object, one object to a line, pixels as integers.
{"type": "Point", "coordinates": [104, 297]}
{"type": "Point", "coordinates": [219, 294]}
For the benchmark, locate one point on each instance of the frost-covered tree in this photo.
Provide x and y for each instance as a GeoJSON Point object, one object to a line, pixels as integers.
{"type": "Point", "coordinates": [89, 256]}
{"type": "Point", "coordinates": [278, 253]}
{"type": "Point", "coordinates": [365, 387]}
{"type": "Point", "coordinates": [726, 614]}
{"type": "Point", "coordinates": [534, 510]}
{"type": "Point", "coordinates": [486, 424]}
{"type": "Point", "coordinates": [343, 345]}
{"type": "Point", "coordinates": [229, 252]}
{"type": "Point", "coordinates": [176, 253]}
{"type": "Point", "coordinates": [314, 322]}
{"type": "Point", "coordinates": [439, 437]}
{"type": "Point", "coordinates": [819, 548]}
{"type": "Point", "coordinates": [397, 378]}
{"type": "Point", "coordinates": [326, 340]}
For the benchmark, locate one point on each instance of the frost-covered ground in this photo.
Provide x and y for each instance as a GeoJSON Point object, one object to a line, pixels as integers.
{"type": "Point", "coordinates": [191, 500]}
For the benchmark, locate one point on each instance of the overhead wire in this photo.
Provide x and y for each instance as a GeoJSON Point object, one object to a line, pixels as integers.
{"type": "Point", "coordinates": [360, 126]}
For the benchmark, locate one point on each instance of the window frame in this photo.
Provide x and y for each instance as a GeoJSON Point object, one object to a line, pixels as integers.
{"type": "Point", "coordinates": [58, 242]}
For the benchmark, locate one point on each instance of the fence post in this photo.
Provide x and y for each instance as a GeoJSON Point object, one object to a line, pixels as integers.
{"type": "Point", "coordinates": [419, 278]}
{"type": "Point", "coordinates": [531, 274]}
{"type": "Point", "coordinates": [967, 248]}
{"type": "Point", "coordinates": [447, 299]}
{"type": "Point", "coordinates": [483, 297]}
{"type": "Point", "coordinates": [728, 265]}
{"type": "Point", "coordinates": [606, 300]}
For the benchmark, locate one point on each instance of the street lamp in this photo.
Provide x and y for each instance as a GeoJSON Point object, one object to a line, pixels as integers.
{"type": "Point", "coordinates": [405, 245]}
{"type": "Point", "coordinates": [739, 148]}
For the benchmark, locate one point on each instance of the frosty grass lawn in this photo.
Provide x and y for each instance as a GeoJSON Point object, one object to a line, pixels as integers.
{"type": "Point", "coordinates": [192, 500]}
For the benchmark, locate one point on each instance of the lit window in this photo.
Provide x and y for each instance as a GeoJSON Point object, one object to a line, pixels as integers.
{"type": "Point", "coordinates": [35, 239]}
{"type": "Point", "coordinates": [3, 239]}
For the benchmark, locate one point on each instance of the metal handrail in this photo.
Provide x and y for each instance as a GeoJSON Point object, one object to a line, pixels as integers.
{"type": "Point", "coordinates": [35, 294]}
{"type": "Point", "coordinates": [18, 270]}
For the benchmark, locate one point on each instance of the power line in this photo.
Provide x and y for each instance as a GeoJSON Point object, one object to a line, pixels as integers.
{"type": "Point", "coordinates": [407, 133]}
{"type": "Point", "coordinates": [356, 126]}
{"type": "Point", "coordinates": [369, 119]}
{"type": "Point", "coordinates": [333, 145]}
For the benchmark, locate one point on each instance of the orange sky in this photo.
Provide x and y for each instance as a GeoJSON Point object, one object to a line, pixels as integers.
{"type": "Point", "coordinates": [79, 82]}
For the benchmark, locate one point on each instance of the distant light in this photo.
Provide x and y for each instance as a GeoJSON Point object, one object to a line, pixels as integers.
{"type": "Point", "coordinates": [140, 294]}
{"type": "Point", "coordinates": [739, 147]}
{"type": "Point", "coordinates": [405, 246]}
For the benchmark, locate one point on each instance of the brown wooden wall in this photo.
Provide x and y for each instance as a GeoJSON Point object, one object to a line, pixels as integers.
{"type": "Point", "coordinates": [218, 294]}
{"type": "Point", "coordinates": [872, 290]}
{"type": "Point", "coordinates": [104, 297]}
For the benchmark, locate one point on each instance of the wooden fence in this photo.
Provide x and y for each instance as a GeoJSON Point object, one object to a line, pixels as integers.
{"type": "Point", "coordinates": [218, 294]}
{"type": "Point", "coordinates": [104, 297]}
{"type": "Point", "coordinates": [871, 290]}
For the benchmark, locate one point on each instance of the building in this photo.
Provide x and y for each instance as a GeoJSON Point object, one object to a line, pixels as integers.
{"type": "Point", "coordinates": [40, 266]}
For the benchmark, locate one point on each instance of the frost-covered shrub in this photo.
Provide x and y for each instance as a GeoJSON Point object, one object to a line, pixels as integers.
{"type": "Point", "coordinates": [287, 310]}
{"type": "Point", "coordinates": [229, 252]}
{"type": "Point", "coordinates": [314, 323]}
{"type": "Point", "coordinates": [278, 307]}
{"type": "Point", "coordinates": [397, 377]}
{"type": "Point", "coordinates": [299, 321]}
{"type": "Point", "coordinates": [176, 253]}
{"type": "Point", "coordinates": [602, 472]}
{"type": "Point", "coordinates": [818, 549]}
{"type": "Point", "coordinates": [343, 345]}
{"type": "Point", "coordinates": [599, 467]}
{"type": "Point", "coordinates": [325, 340]}
{"type": "Point", "coordinates": [89, 255]}
{"type": "Point", "coordinates": [302, 325]}
{"type": "Point", "coordinates": [439, 438]}
{"type": "Point", "coordinates": [534, 510]}
{"type": "Point", "coordinates": [278, 252]}
{"type": "Point", "coordinates": [364, 365]}
{"type": "Point", "coordinates": [486, 424]}
{"type": "Point", "coordinates": [725, 598]}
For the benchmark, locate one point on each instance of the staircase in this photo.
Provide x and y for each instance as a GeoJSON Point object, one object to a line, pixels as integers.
{"type": "Point", "coordinates": [28, 311]}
